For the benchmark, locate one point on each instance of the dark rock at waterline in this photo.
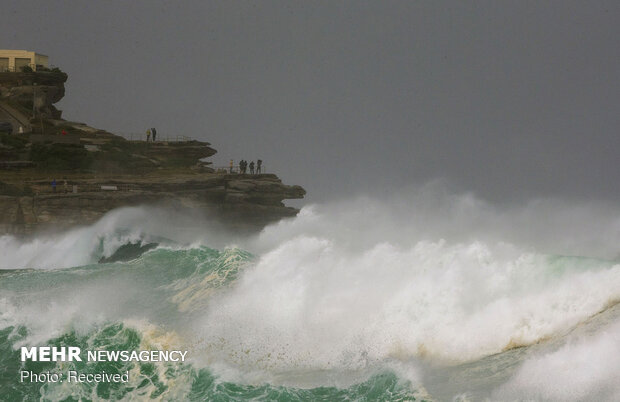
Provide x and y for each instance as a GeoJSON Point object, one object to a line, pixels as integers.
{"type": "Point", "coordinates": [128, 252]}
{"type": "Point", "coordinates": [236, 202]}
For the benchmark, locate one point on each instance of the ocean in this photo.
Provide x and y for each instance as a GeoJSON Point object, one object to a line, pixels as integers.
{"type": "Point", "coordinates": [422, 297]}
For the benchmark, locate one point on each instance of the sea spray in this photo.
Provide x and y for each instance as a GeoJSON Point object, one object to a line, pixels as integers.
{"type": "Point", "coordinates": [367, 299]}
{"type": "Point", "coordinates": [308, 305]}
{"type": "Point", "coordinates": [89, 244]}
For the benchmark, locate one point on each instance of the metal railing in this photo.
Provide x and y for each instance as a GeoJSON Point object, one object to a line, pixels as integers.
{"type": "Point", "coordinates": [133, 136]}
{"type": "Point", "coordinates": [73, 188]}
{"type": "Point", "coordinates": [18, 69]}
{"type": "Point", "coordinates": [14, 69]}
{"type": "Point", "coordinates": [236, 169]}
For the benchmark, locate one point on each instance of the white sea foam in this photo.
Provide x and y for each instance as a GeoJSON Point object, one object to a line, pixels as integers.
{"type": "Point", "coordinates": [85, 245]}
{"type": "Point", "coordinates": [424, 275]}
{"type": "Point", "coordinates": [309, 304]}
{"type": "Point", "coordinates": [352, 286]}
{"type": "Point", "coordinates": [75, 247]}
{"type": "Point", "coordinates": [583, 369]}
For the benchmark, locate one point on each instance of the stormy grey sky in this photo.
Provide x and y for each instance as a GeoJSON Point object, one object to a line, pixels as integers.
{"type": "Point", "coordinates": [510, 100]}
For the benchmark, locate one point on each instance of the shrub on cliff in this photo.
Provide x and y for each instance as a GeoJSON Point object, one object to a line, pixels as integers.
{"type": "Point", "coordinates": [13, 141]}
{"type": "Point", "coordinates": [15, 191]}
{"type": "Point", "coordinates": [60, 156]}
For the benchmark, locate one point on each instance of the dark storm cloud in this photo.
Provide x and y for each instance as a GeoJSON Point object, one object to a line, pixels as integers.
{"type": "Point", "coordinates": [511, 100]}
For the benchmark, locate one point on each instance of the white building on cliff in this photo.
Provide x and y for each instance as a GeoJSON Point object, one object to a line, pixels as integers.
{"type": "Point", "coordinates": [14, 60]}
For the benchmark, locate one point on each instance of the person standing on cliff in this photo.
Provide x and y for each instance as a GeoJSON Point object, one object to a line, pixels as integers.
{"type": "Point", "coordinates": [148, 135]}
{"type": "Point", "coordinates": [252, 167]}
{"type": "Point", "coordinates": [259, 165]}
{"type": "Point", "coordinates": [154, 134]}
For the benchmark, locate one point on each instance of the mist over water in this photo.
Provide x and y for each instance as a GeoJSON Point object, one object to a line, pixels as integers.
{"type": "Point", "coordinates": [580, 370]}
{"type": "Point", "coordinates": [427, 295]}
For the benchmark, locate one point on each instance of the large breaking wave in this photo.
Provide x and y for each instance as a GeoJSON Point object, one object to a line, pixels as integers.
{"type": "Point", "coordinates": [426, 296]}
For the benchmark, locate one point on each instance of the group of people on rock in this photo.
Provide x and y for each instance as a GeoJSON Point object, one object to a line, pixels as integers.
{"type": "Point", "coordinates": [149, 132]}
{"type": "Point", "coordinates": [243, 166]}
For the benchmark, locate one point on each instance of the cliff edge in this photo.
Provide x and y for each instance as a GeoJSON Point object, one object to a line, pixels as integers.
{"type": "Point", "coordinates": [55, 174]}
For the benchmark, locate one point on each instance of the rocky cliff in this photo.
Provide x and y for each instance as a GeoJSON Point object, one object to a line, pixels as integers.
{"type": "Point", "coordinates": [103, 171]}
{"type": "Point", "coordinates": [238, 202]}
{"type": "Point", "coordinates": [33, 92]}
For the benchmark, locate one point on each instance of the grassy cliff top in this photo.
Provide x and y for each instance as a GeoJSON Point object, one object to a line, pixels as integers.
{"type": "Point", "coordinates": [98, 153]}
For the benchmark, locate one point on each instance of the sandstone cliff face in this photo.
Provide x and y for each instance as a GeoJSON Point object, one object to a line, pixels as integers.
{"type": "Point", "coordinates": [34, 91]}
{"type": "Point", "coordinates": [169, 173]}
{"type": "Point", "coordinates": [239, 202]}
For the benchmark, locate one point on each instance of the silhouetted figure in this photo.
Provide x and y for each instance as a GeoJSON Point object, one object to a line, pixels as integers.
{"type": "Point", "coordinates": [252, 167]}
{"type": "Point", "coordinates": [154, 132]}
{"type": "Point", "coordinates": [259, 166]}
{"type": "Point", "coordinates": [54, 185]}
{"type": "Point", "coordinates": [243, 165]}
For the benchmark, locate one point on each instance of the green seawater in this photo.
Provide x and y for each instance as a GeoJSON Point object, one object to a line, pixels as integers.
{"type": "Point", "coordinates": [305, 321]}
{"type": "Point", "coordinates": [161, 381]}
{"type": "Point", "coordinates": [139, 305]}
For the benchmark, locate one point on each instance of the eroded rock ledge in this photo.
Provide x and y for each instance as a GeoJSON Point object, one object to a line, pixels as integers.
{"type": "Point", "coordinates": [238, 202]}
